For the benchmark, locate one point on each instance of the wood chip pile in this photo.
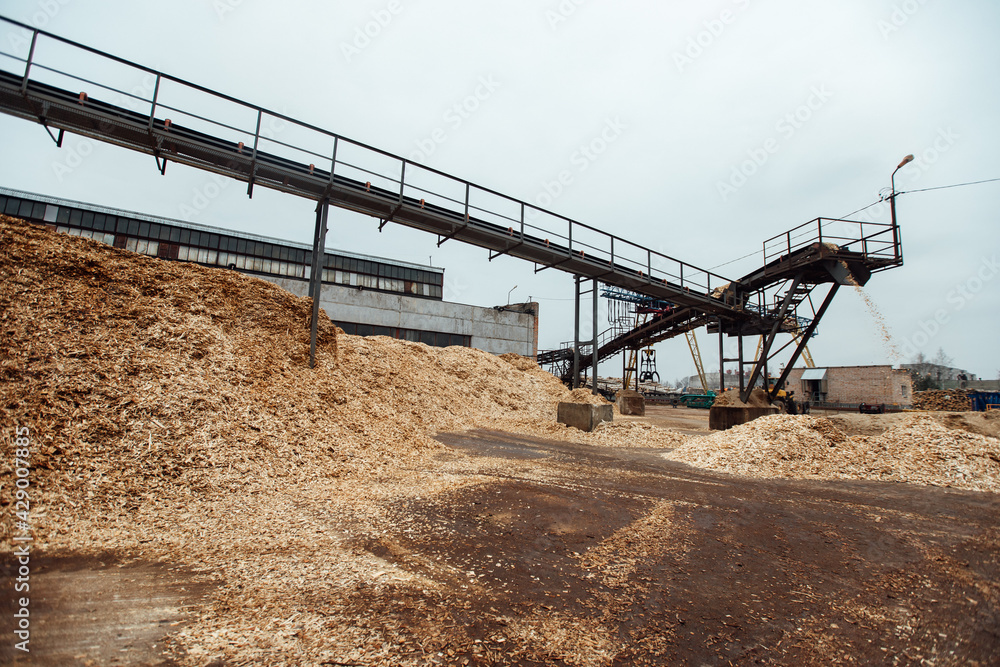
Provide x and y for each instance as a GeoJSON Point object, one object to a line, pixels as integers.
{"type": "Point", "coordinates": [731, 399]}
{"type": "Point", "coordinates": [174, 416]}
{"type": "Point", "coordinates": [919, 450]}
{"type": "Point", "coordinates": [953, 400]}
{"type": "Point", "coordinates": [136, 373]}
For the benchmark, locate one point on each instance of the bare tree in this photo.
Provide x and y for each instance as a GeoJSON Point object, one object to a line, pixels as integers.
{"type": "Point", "coordinates": [943, 360]}
{"type": "Point", "coordinates": [927, 373]}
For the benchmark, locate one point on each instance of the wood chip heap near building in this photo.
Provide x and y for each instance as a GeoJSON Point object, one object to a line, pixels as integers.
{"type": "Point", "coordinates": [174, 417]}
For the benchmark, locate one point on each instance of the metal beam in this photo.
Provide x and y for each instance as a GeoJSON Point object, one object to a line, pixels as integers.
{"type": "Point", "coordinates": [576, 334]}
{"type": "Point", "coordinates": [766, 347]}
{"type": "Point", "coordinates": [316, 274]}
{"type": "Point", "coordinates": [722, 359]}
{"type": "Point", "coordinates": [807, 335]}
{"type": "Point", "coordinates": [594, 355]}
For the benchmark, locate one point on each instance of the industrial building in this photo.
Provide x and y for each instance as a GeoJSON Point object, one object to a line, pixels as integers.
{"type": "Point", "coordinates": [364, 295]}
{"type": "Point", "coordinates": [851, 385]}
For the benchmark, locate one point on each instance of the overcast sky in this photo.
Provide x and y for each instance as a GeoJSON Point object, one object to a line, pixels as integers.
{"type": "Point", "coordinates": [673, 98]}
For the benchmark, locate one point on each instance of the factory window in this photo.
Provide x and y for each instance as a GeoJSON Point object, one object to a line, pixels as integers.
{"type": "Point", "coordinates": [88, 220]}
{"type": "Point", "coordinates": [133, 227]}
{"type": "Point", "coordinates": [167, 251]}
{"type": "Point", "coordinates": [213, 241]}
{"type": "Point", "coordinates": [99, 219]}
{"type": "Point", "coordinates": [12, 206]}
{"type": "Point", "coordinates": [38, 211]}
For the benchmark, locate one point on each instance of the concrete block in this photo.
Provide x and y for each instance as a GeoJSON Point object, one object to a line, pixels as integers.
{"type": "Point", "coordinates": [722, 418]}
{"type": "Point", "coordinates": [631, 403]}
{"type": "Point", "coordinates": [584, 416]}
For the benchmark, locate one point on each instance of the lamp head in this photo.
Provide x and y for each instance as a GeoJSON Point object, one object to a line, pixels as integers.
{"type": "Point", "coordinates": [906, 160]}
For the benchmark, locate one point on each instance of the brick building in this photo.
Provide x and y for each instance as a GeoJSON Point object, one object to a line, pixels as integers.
{"type": "Point", "coordinates": [852, 385]}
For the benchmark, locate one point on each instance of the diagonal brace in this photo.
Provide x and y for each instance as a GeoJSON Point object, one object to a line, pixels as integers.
{"type": "Point", "coordinates": [765, 352]}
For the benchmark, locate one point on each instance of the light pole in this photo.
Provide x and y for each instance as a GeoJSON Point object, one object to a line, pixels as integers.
{"type": "Point", "coordinates": [892, 206]}
{"type": "Point", "coordinates": [509, 293]}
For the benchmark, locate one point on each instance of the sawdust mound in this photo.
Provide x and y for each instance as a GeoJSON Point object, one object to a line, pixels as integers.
{"type": "Point", "coordinates": [919, 450]}
{"type": "Point", "coordinates": [731, 398]}
{"type": "Point", "coordinates": [145, 380]}
{"type": "Point", "coordinates": [582, 395]}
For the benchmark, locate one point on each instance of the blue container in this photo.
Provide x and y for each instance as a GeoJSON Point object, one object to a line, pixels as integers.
{"type": "Point", "coordinates": [982, 399]}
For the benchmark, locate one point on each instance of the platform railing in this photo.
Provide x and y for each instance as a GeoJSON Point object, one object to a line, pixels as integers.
{"type": "Point", "coordinates": [874, 240]}
{"type": "Point", "coordinates": [246, 130]}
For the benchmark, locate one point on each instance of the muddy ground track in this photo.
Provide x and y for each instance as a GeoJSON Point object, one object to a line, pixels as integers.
{"type": "Point", "coordinates": [733, 570]}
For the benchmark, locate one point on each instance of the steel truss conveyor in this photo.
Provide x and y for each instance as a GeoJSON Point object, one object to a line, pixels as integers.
{"type": "Point", "coordinates": [171, 124]}
{"type": "Point", "coordinates": [351, 175]}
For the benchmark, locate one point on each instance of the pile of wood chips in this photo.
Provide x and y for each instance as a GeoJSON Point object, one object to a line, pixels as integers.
{"type": "Point", "coordinates": [174, 416]}
{"type": "Point", "coordinates": [918, 450]}
{"type": "Point", "coordinates": [731, 398]}
{"type": "Point", "coordinates": [952, 400]}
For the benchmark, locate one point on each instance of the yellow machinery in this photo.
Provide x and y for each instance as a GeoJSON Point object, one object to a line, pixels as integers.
{"type": "Point", "coordinates": [696, 355]}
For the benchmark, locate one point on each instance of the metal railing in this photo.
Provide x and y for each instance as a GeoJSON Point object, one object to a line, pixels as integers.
{"type": "Point", "coordinates": [874, 240]}
{"type": "Point", "coordinates": [250, 130]}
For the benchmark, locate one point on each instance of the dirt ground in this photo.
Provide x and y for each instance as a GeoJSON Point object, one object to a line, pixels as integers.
{"type": "Point", "coordinates": [558, 553]}
{"type": "Point", "coordinates": [644, 561]}
{"type": "Point", "coordinates": [689, 421]}
{"type": "Point", "coordinates": [99, 610]}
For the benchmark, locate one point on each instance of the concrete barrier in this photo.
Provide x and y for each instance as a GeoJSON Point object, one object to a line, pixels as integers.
{"type": "Point", "coordinates": [584, 416]}
{"type": "Point", "coordinates": [721, 418]}
{"type": "Point", "coordinates": [630, 403]}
